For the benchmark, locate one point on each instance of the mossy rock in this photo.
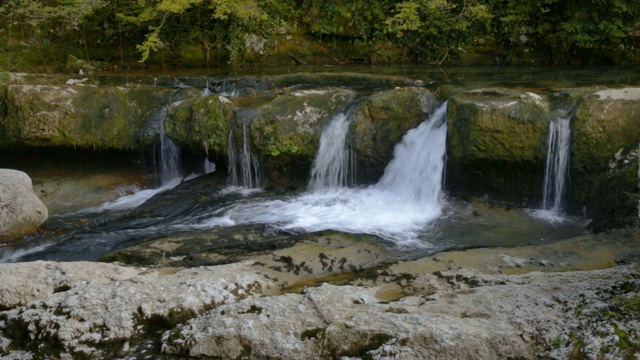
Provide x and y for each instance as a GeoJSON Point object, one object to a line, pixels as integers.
{"type": "Point", "coordinates": [497, 144]}
{"type": "Point", "coordinates": [79, 116]}
{"type": "Point", "coordinates": [605, 122]}
{"type": "Point", "coordinates": [202, 124]}
{"type": "Point", "coordinates": [381, 121]}
{"type": "Point", "coordinates": [614, 201]}
{"type": "Point", "coordinates": [286, 131]}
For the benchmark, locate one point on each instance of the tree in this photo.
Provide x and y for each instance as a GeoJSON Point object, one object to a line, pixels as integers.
{"type": "Point", "coordinates": [432, 27]}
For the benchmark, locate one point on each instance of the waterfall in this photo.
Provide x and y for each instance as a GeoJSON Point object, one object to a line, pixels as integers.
{"type": "Point", "coordinates": [208, 167]}
{"type": "Point", "coordinates": [399, 208]}
{"type": "Point", "coordinates": [244, 170]}
{"type": "Point", "coordinates": [334, 163]}
{"type": "Point", "coordinates": [556, 175]}
{"type": "Point", "coordinates": [417, 168]}
{"type": "Point", "coordinates": [167, 156]}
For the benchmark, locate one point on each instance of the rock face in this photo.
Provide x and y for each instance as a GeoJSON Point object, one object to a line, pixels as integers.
{"type": "Point", "coordinates": [286, 131]}
{"type": "Point", "coordinates": [497, 138]}
{"type": "Point", "coordinates": [20, 209]}
{"type": "Point", "coordinates": [239, 310]}
{"type": "Point", "coordinates": [497, 144]}
{"type": "Point", "coordinates": [606, 129]}
{"type": "Point", "coordinates": [90, 318]}
{"type": "Point", "coordinates": [381, 121]}
{"type": "Point", "coordinates": [202, 124]}
{"type": "Point", "coordinates": [78, 115]}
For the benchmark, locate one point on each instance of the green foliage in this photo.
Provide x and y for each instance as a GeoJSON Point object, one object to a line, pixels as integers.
{"type": "Point", "coordinates": [432, 27]}
{"type": "Point", "coordinates": [29, 24]}
{"type": "Point", "coordinates": [224, 23]}
{"type": "Point", "coordinates": [569, 31]}
{"type": "Point", "coordinates": [433, 31]}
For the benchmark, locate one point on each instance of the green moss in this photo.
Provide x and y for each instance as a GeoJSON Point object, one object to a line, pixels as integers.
{"type": "Point", "coordinates": [315, 333]}
{"type": "Point", "coordinates": [202, 123]}
{"type": "Point", "coordinates": [155, 324]}
{"type": "Point", "coordinates": [80, 116]}
{"type": "Point", "coordinates": [32, 337]}
{"type": "Point", "coordinates": [361, 349]}
{"type": "Point", "coordinates": [246, 353]}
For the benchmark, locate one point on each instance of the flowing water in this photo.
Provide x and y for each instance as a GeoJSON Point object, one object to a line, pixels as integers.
{"type": "Point", "coordinates": [334, 165]}
{"type": "Point", "coordinates": [556, 175]}
{"type": "Point", "coordinates": [168, 162]}
{"type": "Point", "coordinates": [398, 208]}
{"type": "Point", "coordinates": [244, 168]}
{"type": "Point", "coordinates": [407, 208]}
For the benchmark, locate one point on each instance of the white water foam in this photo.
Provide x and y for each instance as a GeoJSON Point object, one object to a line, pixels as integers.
{"type": "Point", "coordinates": [331, 166]}
{"type": "Point", "coordinates": [399, 208]}
{"type": "Point", "coordinates": [130, 201]}
{"type": "Point", "coordinates": [208, 166]}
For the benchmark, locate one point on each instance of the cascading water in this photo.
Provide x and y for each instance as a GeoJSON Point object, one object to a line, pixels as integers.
{"type": "Point", "coordinates": [556, 174]}
{"type": "Point", "coordinates": [244, 170]}
{"type": "Point", "coordinates": [334, 164]}
{"type": "Point", "coordinates": [208, 167]}
{"type": "Point", "coordinates": [398, 208]}
{"type": "Point", "coordinates": [169, 167]}
{"type": "Point", "coordinates": [415, 174]}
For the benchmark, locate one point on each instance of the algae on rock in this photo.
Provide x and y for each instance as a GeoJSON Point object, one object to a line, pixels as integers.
{"type": "Point", "coordinates": [202, 124]}
{"type": "Point", "coordinates": [497, 144]}
{"type": "Point", "coordinates": [605, 123]}
{"type": "Point", "coordinates": [286, 131]}
{"type": "Point", "coordinates": [79, 116]}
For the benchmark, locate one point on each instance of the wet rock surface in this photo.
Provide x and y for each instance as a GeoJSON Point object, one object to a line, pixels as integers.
{"type": "Point", "coordinates": [78, 115]}
{"type": "Point", "coordinates": [604, 149]}
{"type": "Point", "coordinates": [304, 301]}
{"type": "Point", "coordinates": [497, 144]}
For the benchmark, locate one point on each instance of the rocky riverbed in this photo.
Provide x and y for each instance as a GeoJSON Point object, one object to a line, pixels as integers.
{"type": "Point", "coordinates": [331, 296]}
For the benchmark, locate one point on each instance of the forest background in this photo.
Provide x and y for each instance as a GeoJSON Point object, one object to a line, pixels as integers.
{"type": "Point", "coordinates": [48, 35]}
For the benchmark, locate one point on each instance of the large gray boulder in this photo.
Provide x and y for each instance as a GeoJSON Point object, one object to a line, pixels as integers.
{"type": "Point", "coordinates": [20, 209]}
{"type": "Point", "coordinates": [461, 305]}
{"type": "Point", "coordinates": [497, 144]}
{"type": "Point", "coordinates": [78, 115]}
{"type": "Point", "coordinates": [464, 315]}
{"type": "Point", "coordinates": [606, 132]}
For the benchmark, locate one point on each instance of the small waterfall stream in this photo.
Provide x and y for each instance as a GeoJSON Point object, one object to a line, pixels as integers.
{"type": "Point", "coordinates": [417, 168]}
{"type": "Point", "coordinates": [556, 176]}
{"type": "Point", "coordinates": [169, 167]}
{"type": "Point", "coordinates": [244, 168]}
{"type": "Point", "coordinates": [334, 165]}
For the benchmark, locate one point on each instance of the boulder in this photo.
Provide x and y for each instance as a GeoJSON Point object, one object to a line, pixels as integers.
{"type": "Point", "coordinates": [613, 202]}
{"type": "Point", "coordinates": [202, 124]}
{"type": "Point", "coordinates": [381, 121]}
{"type": "Point", "coordinates": [20, 209]}
{"type": "Point", "coordinates": [286, 130]}
{"type": "Point", "coordinates": [497, 144]}
{"type": "Point", "coordinates": [47, 278]}
{"type": "Point", "coordinates": [606, 131]}
{"type": "Point", "coordinates": [79, 115]}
